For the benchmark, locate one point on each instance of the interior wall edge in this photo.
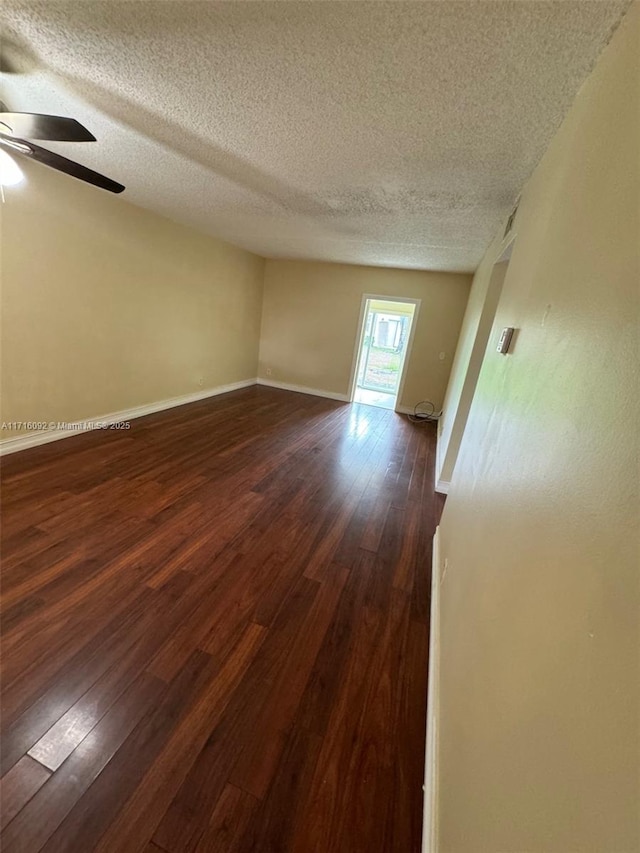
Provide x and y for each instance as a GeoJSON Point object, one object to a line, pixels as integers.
{"type": "Point", "coordinates": [431, 776]}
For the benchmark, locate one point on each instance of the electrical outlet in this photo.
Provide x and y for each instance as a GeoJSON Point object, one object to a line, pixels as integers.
{"type": "Point", "coordinates": [269, 371]}
{"type": "Point", "coordinates": [201, 381]}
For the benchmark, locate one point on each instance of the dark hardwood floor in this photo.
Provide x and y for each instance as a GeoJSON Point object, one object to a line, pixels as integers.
{"type": "Point", "coordinates": [215, 631]}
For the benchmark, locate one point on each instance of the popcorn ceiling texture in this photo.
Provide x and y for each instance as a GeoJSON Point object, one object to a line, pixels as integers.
{"type": "Point", "coordinates": [383, 133]}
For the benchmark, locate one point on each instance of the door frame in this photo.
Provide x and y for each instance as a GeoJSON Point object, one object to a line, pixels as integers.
{"type": "Point", "coordinates": [366, 297]}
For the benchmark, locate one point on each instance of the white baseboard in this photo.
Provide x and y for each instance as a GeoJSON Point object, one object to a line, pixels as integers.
{"type": "Point", "coordinates": [443, 486]}
{"type": "Point", "coordinates": [33, 439]}
{"type": "Point", "coordinates": [430, 816]}
{"type": "Point", "coordinates": [317, 392]}
{"type": "Point", "coordinates": [302, 389]}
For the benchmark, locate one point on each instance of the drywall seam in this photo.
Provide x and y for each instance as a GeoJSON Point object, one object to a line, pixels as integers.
{"type": "Point", "coordinates": [34, 439]}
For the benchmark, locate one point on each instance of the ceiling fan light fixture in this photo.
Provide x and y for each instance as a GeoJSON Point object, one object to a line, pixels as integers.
{"type": "Point", "coordinates": [10, 173]}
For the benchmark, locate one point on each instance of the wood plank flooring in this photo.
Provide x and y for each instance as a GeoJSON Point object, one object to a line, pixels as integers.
{"type": "Point", "coordinates": [215, 631]}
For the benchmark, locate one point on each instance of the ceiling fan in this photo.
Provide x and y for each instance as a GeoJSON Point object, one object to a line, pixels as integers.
{"type": "Point", "coordinates": [17, 129]}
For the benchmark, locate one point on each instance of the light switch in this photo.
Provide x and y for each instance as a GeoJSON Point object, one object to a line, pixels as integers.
{"type": "Point", "coordinates": [505, 340]}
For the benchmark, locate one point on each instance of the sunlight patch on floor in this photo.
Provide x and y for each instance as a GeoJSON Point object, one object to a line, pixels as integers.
{"type": "Point", "coordinates": [375, 398]}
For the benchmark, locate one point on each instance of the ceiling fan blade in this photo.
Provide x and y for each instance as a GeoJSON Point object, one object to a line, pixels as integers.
{"type": "Point", "coordinates": [62, 164]}
{"type": "Point", "coordinates": [36, 126]}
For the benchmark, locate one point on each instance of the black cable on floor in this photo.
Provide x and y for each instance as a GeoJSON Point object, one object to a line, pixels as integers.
{"type": "Point", "coordinates": [421, 416]}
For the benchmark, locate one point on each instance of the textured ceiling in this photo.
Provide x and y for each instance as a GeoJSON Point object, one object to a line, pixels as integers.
{"type": "Point", "coordinates": [383, 133]}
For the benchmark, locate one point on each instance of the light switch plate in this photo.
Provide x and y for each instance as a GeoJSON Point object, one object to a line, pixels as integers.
{"type": "Point", "coordinates": [505, 340]}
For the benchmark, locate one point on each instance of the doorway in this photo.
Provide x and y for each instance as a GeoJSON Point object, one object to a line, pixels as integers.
{"type": "Point", "coordinates": [386, 327]}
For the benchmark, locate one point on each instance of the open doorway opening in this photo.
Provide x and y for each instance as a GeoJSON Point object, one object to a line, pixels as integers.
{"type": "Point", "coordinates": [385, 337]}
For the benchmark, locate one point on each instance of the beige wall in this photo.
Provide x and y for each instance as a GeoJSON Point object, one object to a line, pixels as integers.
{"type": "Point", "coordinates": [106, 306]}
{"type": "Point", "coordinates": [472, 344]}
{"type": "Point", "coordinates": [539, 714]}
{"type": "Point", "coordinates": [311, 315]}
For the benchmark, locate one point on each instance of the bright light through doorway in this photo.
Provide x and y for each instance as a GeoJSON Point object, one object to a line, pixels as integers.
{"type": "Point", "coordinates": [384, 339]}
